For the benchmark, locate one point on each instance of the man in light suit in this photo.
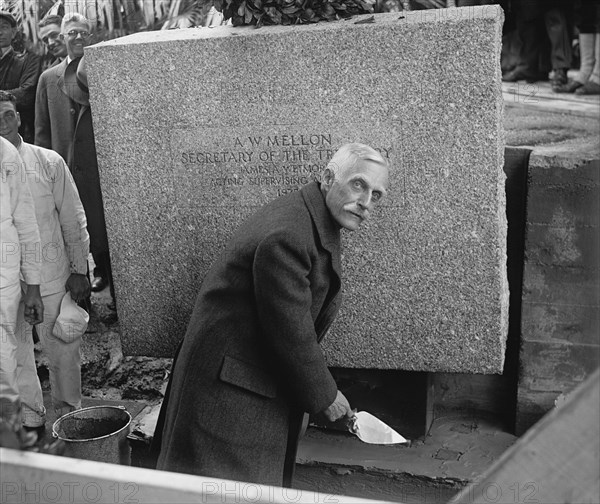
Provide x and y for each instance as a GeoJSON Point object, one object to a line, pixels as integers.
{"type": "Point", "coordinates": [21, 251]}
{"type": "Point", "coordinates": [63, 123]}
{"type": "Point", "coordinates": [250, 363]}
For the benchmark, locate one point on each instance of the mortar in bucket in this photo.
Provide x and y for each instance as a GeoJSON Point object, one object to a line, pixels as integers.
{"type": "Point", "coordinates": [96, 433]}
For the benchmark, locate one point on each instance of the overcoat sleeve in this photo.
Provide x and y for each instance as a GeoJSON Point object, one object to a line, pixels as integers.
{"type": "Point", "coordinates": [281, 269]}
{"type": "Point", "coordinates": [42, 114]}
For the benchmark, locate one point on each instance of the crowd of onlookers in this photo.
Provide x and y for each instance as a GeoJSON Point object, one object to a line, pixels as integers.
{"type": "Point", "coordinates": [52, 217]}
{"type": "Point", "coordinates": [547, 38]}
{"type": "Point", "coordinates": [55, 113]}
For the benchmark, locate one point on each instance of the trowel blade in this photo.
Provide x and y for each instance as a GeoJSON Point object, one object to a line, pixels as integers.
{"type": "Point", "coordinates": [373, 431]}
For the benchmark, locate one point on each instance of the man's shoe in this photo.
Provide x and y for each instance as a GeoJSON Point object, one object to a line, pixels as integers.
{"type": "Point", "coordinates": [569, 87]}
{"type": "Point", "coordinates": [589, 88]}
{"type": "Point", "coordinates": [519, 75]}
{"type": "Point", "coordinates": [559, 77]}
{"type": "Point", "coordinates": [99, 284]}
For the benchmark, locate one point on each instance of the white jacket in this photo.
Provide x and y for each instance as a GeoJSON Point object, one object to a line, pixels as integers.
{"type": "Point", "coordinates": [20, 250]}
{"type": "Point", "coordinates": [60, 217]}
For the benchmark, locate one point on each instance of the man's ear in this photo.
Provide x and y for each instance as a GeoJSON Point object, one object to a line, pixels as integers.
{"type": "Point", "coordinates": [328, 178]}
{"type": "Point", "coordinates": [18, 120]}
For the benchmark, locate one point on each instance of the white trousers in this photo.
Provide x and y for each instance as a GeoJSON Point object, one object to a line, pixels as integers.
{"type": "Point", "coordinates": [18, 373]}
{"type": "Point", "coordinates": [64, 362]}
{"type": "Point", "coordinates": [589, 46]}
{"type": "Point", "coordinates": [9, 371]}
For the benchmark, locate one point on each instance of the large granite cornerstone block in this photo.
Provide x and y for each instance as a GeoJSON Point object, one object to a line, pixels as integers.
{"type": "Point", "coordinates": [197, 128]}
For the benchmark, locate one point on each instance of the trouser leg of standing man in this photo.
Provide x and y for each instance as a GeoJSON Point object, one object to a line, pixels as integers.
{"type": "Point", "coordinates": [595, 76]}
{"type": "Point", "coordinates": [590, 48]}
{"type": "Point", "coordinates": [64, 358]}
{"type": "Point", "coordinates": [103, 270]}
{"type": "Point", "coordinates": [592, 86]}
{"type": "Point", "coordinates": [18, 373]}
{"type": "Point", "coordinates": [100, 280]}
{"type": "Point", "coordinates": [528, 27]}
{"type": "Point", "coordinates": [559, 34]}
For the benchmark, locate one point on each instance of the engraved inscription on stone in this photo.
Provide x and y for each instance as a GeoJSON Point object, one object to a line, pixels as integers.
{"type": "Point", "coordinates": [257, 164]}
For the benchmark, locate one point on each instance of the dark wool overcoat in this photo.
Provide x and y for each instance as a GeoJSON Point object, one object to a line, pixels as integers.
{"type": "Point", "coordinates": [65, 126]}
{"type": "Point", "coordinates": [250, 363]}
{"type": "Point", "coordinates": [55, 113]}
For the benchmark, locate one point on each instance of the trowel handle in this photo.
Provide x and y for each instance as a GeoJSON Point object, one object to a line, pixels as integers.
{"type": "Point", "coordinates": [353, 422]}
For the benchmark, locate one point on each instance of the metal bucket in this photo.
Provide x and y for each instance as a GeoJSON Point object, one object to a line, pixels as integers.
{"type": "Point", "coordinates": [96, 433]}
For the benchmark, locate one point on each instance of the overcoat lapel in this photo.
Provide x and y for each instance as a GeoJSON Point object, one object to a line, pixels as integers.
{"type": "Point", "coordinates": [329, 236]}
{"type": "Point", "coordinates": [329, 232]}
{"type": "Point", "coordinates": [60, 83]}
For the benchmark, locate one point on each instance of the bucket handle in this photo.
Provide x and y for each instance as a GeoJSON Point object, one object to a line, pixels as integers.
{"type": "Point", "coordinates": [55, 435]}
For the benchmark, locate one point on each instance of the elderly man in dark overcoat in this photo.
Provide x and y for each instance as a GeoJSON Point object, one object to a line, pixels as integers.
{"type": "Point", "coordinates": [250, 363]}
{"type": "Point", "coordinates": [63, 123]}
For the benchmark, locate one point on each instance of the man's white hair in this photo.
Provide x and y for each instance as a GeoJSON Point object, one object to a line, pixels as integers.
{"type": "Point", "coordinates": [348, 155]}
{"type": "Point", "coordinates": [75, 17]}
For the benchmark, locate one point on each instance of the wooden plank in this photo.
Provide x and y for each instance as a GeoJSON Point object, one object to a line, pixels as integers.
{"type": "Point", "coordinates": [556, 461]}
{"type": "Point", "coordinates": [40, 478]}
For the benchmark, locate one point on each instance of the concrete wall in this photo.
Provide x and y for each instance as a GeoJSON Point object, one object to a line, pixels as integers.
{"type": "Point", "coordinates": [560, 324]}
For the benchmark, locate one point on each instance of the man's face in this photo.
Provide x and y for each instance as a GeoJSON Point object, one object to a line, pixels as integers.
{"type": "Point", "coordinates": [7, 33]}
{"type": "Point", "coordinates": [76, 36]}
{"type": "Point", "coordinates": [352, 197]}
{"type": "Point", "coordinates": [9, 121]}
{"type": "Point", "coordinates": [50, 35]}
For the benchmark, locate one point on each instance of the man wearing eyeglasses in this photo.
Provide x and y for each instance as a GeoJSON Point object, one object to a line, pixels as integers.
{"type": "Point", "coordinates": [19, 73]}
{"type": "Point", "coordinates": [55, 113]}
{"type": "Point", "coordinates": [63, 124]}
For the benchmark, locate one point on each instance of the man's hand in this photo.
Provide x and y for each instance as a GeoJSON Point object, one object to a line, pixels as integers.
{"type": "Point", "coordinates": [338, 408]}
{"type": "Point", "coordinates": [34, 308]}
{"type": "Point", "coordinates": [79, 286]}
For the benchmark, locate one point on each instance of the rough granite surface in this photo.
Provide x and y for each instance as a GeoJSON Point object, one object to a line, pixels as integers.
{"type": "Point", "coordinates": [197, 128]}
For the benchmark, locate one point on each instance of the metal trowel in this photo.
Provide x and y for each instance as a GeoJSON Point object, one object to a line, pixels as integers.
{"type": "Point", "coordinates": [370, 429]}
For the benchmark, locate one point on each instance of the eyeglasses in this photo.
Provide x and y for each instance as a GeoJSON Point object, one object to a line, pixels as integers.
{"type": "Point", "coordinates": [73, 34]}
